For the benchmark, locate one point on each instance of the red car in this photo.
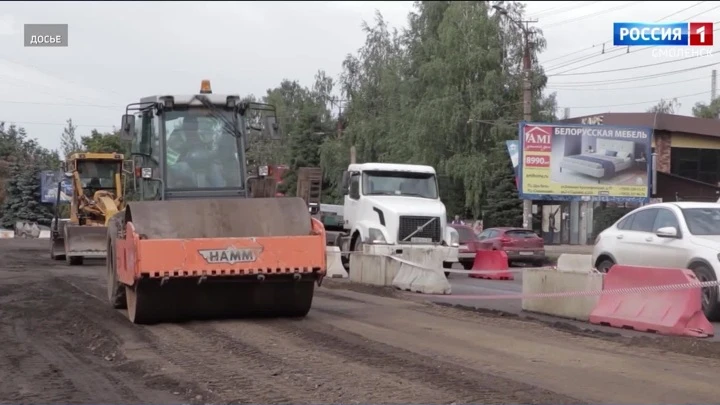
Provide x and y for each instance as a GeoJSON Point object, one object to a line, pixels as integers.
{"type": "Point", "coordinates": [468, 245]}
{"type": "Point", "coordinates": [521, 245]}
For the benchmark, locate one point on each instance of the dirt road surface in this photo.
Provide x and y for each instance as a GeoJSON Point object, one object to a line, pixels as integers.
{"type": "Point", "coordinates": [62, 343]}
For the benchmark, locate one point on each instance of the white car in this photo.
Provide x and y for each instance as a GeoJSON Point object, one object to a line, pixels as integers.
{"type": "Point", "coordinates": [676, 234]}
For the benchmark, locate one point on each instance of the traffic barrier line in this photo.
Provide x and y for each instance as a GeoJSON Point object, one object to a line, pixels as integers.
{"type": "Point", "coordinates": [619, 291]}
{"type": "Point", "coordinates": [456, 271]}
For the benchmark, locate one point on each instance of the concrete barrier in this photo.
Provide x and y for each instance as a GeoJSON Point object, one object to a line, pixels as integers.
{"type": "Point", "coordinates": [335, 268]}
{"type": "Point", "coordinates": [551, 281]}
{"type": "Point", "coordinates": [417, 269]}
{"type": "Point", "coordinates": [6, 234]}
{"type": "Point", "coordinates": [420, 279]}
{"type": "Point", "coordinates": [372, 269]}
{"type": "Point", "coordinates": [44, 235]}
{"type": "Point", "coordinates": [570, 262]}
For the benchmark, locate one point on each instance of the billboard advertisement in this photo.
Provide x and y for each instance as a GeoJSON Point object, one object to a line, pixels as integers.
{"type": "Point", "coordinates": [584, 162]}
{"type": "Point", "coordinates": [514, 152]}
{"type": "Point", "coordinates": [49, 185]}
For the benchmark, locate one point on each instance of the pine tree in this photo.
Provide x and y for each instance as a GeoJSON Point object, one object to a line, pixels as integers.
{"type": "Point", "coordinates": [503, 205]}
{"type": "Point", "coordinates": [68, 140]}
{"type": "Point", "coordinates": [22, 202]}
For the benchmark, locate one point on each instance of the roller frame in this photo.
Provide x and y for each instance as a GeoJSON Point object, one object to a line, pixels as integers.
{"type": "Point", "coordinates": [161, 280]}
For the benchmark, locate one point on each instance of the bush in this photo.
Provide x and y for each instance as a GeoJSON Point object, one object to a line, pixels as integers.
{"type": "Point", "coordinates": [604, 217]}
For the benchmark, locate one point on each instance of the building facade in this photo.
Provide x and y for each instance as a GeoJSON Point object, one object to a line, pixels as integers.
{"type": "Point", "coordinates": [687, 151]}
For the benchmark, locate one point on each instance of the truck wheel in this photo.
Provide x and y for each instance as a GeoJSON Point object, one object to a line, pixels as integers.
{"type": "Point", "coordinates": [709, 295]}
{"type": "Point", "coordinates": [358, 245]}
{"type": "Point", "coordinates": [115, 290]}
{"type": "Point", "coordinates": [74, 260]}
{"type": "Point", "coordinates": [54, 256]}
{"type": "Point", "coordinates": [447, 265]}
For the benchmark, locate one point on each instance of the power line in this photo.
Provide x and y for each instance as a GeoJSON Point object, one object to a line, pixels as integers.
{"type": "Point", "coordinates": [610, 58]}
{"type": "Point", "coordinates": [11, 122]}
{"type": "Point", "coordinates": [614, 50]}
{"type": "Point", "coordinates": [595, 14]}
{"type": "Point", "coordinates": [627, 68]}
{"type": "Point", "coordinates": [638, 78]}
{"type": "Point", "coordinates": [565, 8]}
{"type": "Point", "coordinates": [547, 10]}
{"type": "Point", "coordinates": [626, 88]}
{"type": "Point", "coordinates": [567, 63]}
{"type": "Point", "coordinates": [65, 80]}
{"type": "Point", "coordinates": [639, 102]}
{"type": "Point", "coordinates": [60, 104]}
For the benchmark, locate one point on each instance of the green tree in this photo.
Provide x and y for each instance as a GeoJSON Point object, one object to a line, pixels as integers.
{"type": "Point", "coordinates": [503, 206]}
{"type": "Point", "coordinates": [665, 107]}
{"type": "Point", "coordinates": [22, 202]}
{"type": "Point", "coordinates": [68, 140]}
{"type": "Point", "coordinates": [444, 92]}
{"type": "Point", "coordinates": [18, 150]}
{"type": "Point", "coordinates": [307, 122]}
{"type": "Point", "coordinates": [103, 142]}
{"type": "Point", "coordinates": [712, 110]}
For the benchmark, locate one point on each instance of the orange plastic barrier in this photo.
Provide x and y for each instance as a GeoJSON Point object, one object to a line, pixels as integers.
{"type": "Point", "coordinates": [488, 260]}
{"type": "Point", "coordinates": [676, 312]}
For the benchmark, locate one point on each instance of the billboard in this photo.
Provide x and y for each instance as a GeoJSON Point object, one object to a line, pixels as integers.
{"type": "Point", "coordinates": [49, 184]}
{"type": "Point", "coordinates": [513, 148]}
{"type": "Point", "coordinates": [585, 162]}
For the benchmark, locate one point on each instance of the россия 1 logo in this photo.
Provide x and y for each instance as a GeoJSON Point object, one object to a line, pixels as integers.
{"type": "Point", "coordinates": [663, 34]}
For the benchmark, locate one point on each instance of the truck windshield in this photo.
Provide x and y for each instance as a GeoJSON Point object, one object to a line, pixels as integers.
{"type": "Point", "coordinates": [201, 149]}
{"type": "Point", "coordinates": [400, 183]}
{"type": "Point", "coordinates": [97, 174]}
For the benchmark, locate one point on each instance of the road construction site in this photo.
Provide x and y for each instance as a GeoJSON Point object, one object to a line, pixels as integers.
{"type": "Point", "coordinates": [462, 285]}
{"type": "Point", "coordinates": [62, 343]}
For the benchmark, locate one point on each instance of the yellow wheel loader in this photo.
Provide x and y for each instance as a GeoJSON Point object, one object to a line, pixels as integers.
{"type": "Point", "coordinates": [97, 195]}
{"type": "Point", "coordinates": [204, 240]}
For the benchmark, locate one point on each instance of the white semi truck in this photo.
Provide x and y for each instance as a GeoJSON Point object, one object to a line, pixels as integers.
{"type": "Point", "coordinates": [396, 206]}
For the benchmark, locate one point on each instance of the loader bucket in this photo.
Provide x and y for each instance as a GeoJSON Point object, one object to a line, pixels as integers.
{"type": "Point", "coordinates": [85, 241]}
{"type": "Point", "coordinates": [195, 259]}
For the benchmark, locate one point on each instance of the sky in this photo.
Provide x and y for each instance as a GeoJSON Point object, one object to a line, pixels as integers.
{"type": "Point", "coordinates": [119, 52]}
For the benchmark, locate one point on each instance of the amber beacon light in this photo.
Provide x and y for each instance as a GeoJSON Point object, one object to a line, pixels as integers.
{"type": "Point", "coordinates": [205, 87]}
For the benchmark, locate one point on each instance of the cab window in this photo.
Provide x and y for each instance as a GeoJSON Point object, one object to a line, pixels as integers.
{"type": "Point", "coordinates": [644, 220]}
{"type": "Point", "coordinates": [626, 223]}
{"type": "Point", "coordinates": [664, 219]}
{"type": "Point", "coordinates": [354, 183]}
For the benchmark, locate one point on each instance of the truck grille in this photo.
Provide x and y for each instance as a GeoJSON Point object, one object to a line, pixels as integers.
{"type": "Point", "coordinates": [409, 225]}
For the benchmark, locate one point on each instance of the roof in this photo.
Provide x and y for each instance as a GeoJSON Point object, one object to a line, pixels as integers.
{"type": "Point", "coordinates": [692, 204]}
{"type": "Point", "coordinates": [510, 228]}
{"type": "Point", "coordinates": [183, 99]}
{"type": "Point", "coordinates": [660, 122]}
{"type": "Point", "coordinates": [392, 167]}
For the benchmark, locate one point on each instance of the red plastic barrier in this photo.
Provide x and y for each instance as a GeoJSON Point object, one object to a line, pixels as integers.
{"type": "Point", "coordinates": [676, 312]}
{"type": "Point", "coordinates": [488, 260]}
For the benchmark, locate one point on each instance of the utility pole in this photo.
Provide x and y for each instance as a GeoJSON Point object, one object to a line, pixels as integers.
{"type": "Point", "coordinates": [527, 89]}
{"type": "Point", "coordinates": [713, 88]}
{"type": "Point", "coordinates": [527, 104]}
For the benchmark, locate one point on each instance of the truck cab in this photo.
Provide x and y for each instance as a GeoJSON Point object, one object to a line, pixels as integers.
{"type": "Point", "coordinates": [395, 205]}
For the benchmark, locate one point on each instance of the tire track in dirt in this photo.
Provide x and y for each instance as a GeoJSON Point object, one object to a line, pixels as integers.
{"type": "Point", "coordinates": [334, 379]}
{"type": "Point", "coordinates": [460, 384]}
{"type": "Point", "coordinates": [52, 353]}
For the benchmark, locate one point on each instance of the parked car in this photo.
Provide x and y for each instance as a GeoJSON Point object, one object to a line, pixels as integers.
{"type": "Point", "coordinates": [678, 235]}
{"type": "Point", "coordinates": [521, 245]}
{"type": "Point", "coordinates": [468, 240]}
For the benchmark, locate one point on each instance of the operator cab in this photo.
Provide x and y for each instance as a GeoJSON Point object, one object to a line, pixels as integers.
{"type": "Point", "coordinates": [96, 171]}
{"type": "Point", "coordinates": [187, 146]}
